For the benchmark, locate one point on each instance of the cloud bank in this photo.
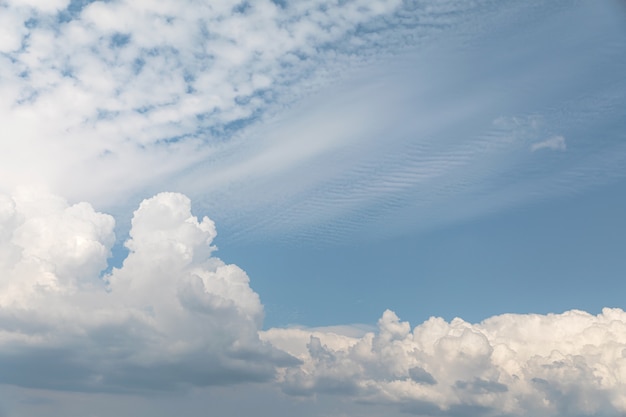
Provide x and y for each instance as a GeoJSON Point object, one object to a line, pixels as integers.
{"type": "Point", "coordinates": [174, 316]}
{"type": "Point", "coordinates": [571, 364]}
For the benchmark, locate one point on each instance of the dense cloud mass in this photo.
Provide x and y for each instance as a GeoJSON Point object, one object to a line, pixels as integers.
{"type": "Point", "coordinates": [172, 315]}
{"type": "Point", "coordinates": [570, 364]}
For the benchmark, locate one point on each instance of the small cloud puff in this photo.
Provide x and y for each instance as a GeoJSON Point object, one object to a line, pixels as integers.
{"type": "Point", "coordinates": [172, 316]}
{"type": "Point", "coordinates": [517, 365]}
{"type": "Point", "coordinates": [555, 143]}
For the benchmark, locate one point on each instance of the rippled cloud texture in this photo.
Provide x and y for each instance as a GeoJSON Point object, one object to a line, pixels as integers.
{"type": "Point", "coordinates": [133, 91]}
{"type": "Point", "coordinates": [312, 121]}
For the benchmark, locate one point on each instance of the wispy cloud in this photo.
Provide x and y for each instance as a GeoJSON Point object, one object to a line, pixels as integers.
{"type": "Point", "coordinates": [280, 120]}
{"type": "Point", "coordinates": [405, 143]}
{"type": "Point", "coordinates": [555, 143]}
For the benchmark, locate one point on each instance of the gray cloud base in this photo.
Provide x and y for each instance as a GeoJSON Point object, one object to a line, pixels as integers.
{"type": "Point", "coordinates": [515, 365]}
{"type": "Point", "coordinates": [172, 316]}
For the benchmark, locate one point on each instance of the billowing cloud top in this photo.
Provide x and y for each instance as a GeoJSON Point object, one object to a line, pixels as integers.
{"type": "Point", "coordinates": [172, 315]}
{"type": "Point", "coordinates": [175, 316]}
{"type": "Point", "coordinates": [570, 364]}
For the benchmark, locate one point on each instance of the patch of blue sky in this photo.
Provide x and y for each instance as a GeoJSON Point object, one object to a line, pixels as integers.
{"type": "Point", "coordinates": [138, 65]}
{"type": "Point", "coordinates": [105, 114]}
{"type": "Point", "coordinates": [454, 181]}
{"type": "Point", "coordinates": [242, 7]}
{"type": "Point", "coordinates": [31, 23]}
{"type": "Point", "coordinates": [119, 40]}
{"type": "Point", "coordinates": [548, 256]}
{"type": "Point", "coordinates": [119, 253]}
{"type": "Point", "coordinates": [493, 87]}
{"type": "Point", "coordinates": [234, 126]}
{"type": "Point", "coordinates": [73, 10]}
{"type": "Point", "coordinates": [280, 3]}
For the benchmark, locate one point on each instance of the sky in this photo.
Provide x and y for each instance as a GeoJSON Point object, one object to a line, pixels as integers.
{"type": "Point", "coordinates": [325, 208]}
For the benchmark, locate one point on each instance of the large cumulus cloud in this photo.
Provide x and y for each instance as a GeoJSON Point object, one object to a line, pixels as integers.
{"type": "Point", "coordinates": [171, 315]}
{"type": "Point", "coordinates": [517, 365]}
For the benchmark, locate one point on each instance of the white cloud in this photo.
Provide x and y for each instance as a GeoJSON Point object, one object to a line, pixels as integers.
{"type": "Point", "coordinates": [117, 89]}
{"type": "Point", "coordinates": [555, 143]}
{"type": "Point", "coordinates": [172, 316]}
{"type": "Point", "coordinates": [100, 99]}
{"type": "Point", "coordinates": [333, 114]}
{"type": "Point", "coordinates": [405, 144]}
{"type": "Point", "coordinates": [11, 31]}
{"type": "Point", "coordinates": [517, 365]}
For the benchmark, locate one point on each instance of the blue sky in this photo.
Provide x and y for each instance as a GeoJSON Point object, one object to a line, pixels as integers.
{"type": "Point", "coordinates": [551, 256]}
{"type": "Point", "coordinates": [236, 205]}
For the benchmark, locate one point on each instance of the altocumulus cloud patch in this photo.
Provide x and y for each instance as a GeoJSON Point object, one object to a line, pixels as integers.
{"type": "Point", "coordinates": [172, 315]}
{"type": "Point", "coordinates": [106, 86]}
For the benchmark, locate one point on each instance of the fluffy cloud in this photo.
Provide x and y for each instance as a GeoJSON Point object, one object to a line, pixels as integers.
{"type": "Point", "coordinates": [558, 364]}
{"type": "Point", "coordinates": [172, 315]}
{"type": "Point", "coordinates": [106, 86]}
